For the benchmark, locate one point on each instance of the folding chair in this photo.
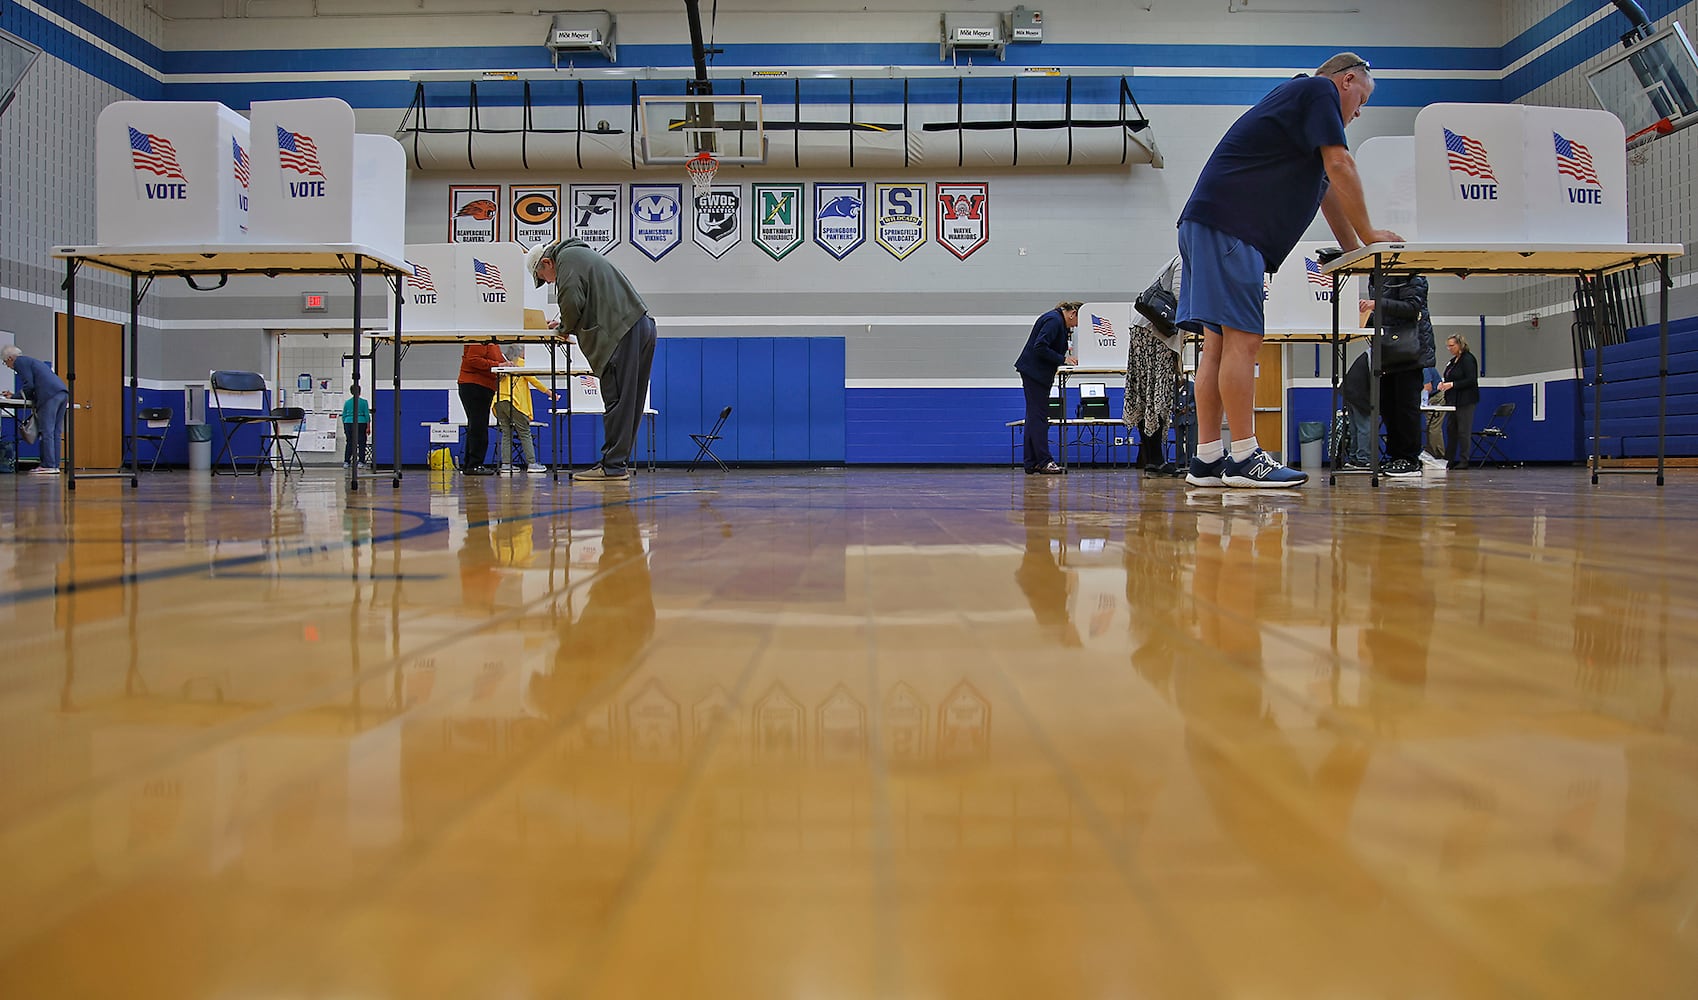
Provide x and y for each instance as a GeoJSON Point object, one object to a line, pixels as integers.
{"type": "Point", "coordinates": [1489, 441]}
{"type": "Point", "coordinates": [704, 443]}
{"type": "Point", "coordinates": [238, 382]}
{"type": "Point", "coordinates": [281, 442]}
{"type": "Point", "coordinates": [156, 419]}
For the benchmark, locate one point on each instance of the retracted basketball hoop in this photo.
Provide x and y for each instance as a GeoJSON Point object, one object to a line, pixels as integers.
{"type": "Point", "coordinates": [702, 167]}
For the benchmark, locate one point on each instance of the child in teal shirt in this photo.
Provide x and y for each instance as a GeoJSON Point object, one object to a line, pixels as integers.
{"type": "Point", "coordinates": [356, 423]}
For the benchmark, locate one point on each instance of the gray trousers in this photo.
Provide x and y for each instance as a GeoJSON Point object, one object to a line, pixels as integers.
{"type": "Point", "coordinates": [624, 389]}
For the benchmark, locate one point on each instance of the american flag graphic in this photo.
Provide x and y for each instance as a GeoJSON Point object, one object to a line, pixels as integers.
{"type": "Point", "coordinates": [1467, 156]}
{"type": "Point", "coordinates": [1312, 269]}
{"type": "Point", "coordinates": [487, 274]}
{"type": "Point", "coordinates": [241, 156]}
{"type": "Point", "coordinates": [420, 278]}
{"type": "Point", "coordinates": [1101, 327]}
{"type": "Point", "coordinates": [155, 155]}
{"type": "Point", "coordinates": [1575, 160]}
{"type": "Point", "coordinates": [296, 152]}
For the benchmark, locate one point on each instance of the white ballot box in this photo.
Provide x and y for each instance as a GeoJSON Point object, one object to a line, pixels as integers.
{"type": "Point", "coordinates": [169, 173]}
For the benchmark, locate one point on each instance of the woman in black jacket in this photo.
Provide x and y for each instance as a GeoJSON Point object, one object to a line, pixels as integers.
{"type": "Point", "coordinates": [1461, 387]}
{"type": "Point", "coordinates": [1045, 351]}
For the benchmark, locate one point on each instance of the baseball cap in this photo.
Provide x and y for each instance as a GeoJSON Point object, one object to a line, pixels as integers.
{"type": "Point", "coordinates": [533, 260]}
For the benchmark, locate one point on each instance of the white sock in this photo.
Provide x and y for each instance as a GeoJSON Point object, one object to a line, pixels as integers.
{"type": "Point", "coordinates": [1211, 451]}
{"type": "Point", "coordinates": [1243, 448]}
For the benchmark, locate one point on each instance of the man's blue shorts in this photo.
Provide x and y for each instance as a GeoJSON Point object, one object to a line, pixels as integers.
{"type": "Point", "coordinates": [1222, 281]}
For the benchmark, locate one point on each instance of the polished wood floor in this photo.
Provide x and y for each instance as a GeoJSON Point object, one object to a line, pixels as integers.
{"type": "Point", "coordinates": [841, 734]}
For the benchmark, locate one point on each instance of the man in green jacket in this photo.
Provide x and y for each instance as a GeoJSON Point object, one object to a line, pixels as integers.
{"type": "Point", "coordinates": [600, 307]}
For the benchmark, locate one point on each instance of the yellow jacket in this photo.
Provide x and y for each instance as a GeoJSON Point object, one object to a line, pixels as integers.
{"type": "Point", "coordinates": [514, 390]}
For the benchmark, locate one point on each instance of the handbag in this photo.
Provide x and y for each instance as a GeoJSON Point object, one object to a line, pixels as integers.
{"type": "Point", "coordinates": [1400, 348]}
{"type": "Point", "coordinates": [1158, 304]}
{"type": "Point", "coordinates": [28, 430]}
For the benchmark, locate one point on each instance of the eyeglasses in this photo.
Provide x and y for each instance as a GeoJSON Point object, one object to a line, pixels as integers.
{"type": "Point", "coordinates": [1360, 62]}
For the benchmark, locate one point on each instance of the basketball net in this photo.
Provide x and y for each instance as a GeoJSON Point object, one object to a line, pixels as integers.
{"type": "Point", "coordinates": [702, 168]}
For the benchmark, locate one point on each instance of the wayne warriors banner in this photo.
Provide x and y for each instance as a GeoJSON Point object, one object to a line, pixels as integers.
{"type": "Point", "coordinates": [900, 225]}
{"type": "Point", "coordinates": [474, 216]}
{"type": "Point", "coordinates": [840, 218]}
{"type": "Point", "coordinates": [535, 212]}
{"type": "Point", "coordinates": [777, 227]}
{"type": "Point", "coordinates": [596, 212]}
{"type": "Point", "coordinates": [963, 217]}
{"type": "Point", "coordinates": [719, 219]}
{"type": "Point", "coordinates": [657, 218]}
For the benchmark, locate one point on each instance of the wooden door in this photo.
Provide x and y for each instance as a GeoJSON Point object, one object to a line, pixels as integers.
{"type": "Point", "coordinates": [99, 390]}
{"type": "Point", "coordinates": [1270, 397]}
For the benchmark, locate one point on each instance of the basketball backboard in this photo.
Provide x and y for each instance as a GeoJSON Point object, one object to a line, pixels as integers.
{"type": "Point", "coordinates": [15, 58]}
{"type": "Point", "coordinates": [1652, 86]}
{"type": "Point", "coordinates": [673, 129]}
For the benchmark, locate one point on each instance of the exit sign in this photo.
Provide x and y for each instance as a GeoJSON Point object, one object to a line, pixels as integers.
{"type": "Point", "coordinates": [313, 302]}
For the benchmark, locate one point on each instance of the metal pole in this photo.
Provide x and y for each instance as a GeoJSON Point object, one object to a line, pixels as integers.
{"type": "Point", "coordinates": [1332, 412]}
{"type": "Point", "coordinates": [553, 418]}
{"type": "Point", "coordinates": [395, 407]}
{"type": "Point", "coordinates": [1663, 363]}
{"type": "Point", "coordinates": [1597, 377]}
{"type": "Point", "coordinates": [135, 380]}
{"type": "Point", "coordinates": [71, 372]}
{"type": "Point", "coordinates": [359, 274]}
{"type": "Point", "coordinates": [1375, 360]}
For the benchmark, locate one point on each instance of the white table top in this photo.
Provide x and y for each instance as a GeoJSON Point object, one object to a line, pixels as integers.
{"type": "Point", "coordinates": [234, 258]}
{"type": "Point", "coordinates": [1430, 408]}
{"type": "Point", "coordinates": [522, 370]}
{"type": "Point", "coordinates": [1499, 258]}
{"type": "Point", "coordinates": [14, 404]}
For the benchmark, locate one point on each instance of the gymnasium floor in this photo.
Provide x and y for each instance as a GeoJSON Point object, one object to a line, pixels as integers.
{"type": "Point", "coordinates": [836, 734]}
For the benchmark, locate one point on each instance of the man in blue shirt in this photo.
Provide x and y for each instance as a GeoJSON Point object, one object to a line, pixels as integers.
{"type": "Point", "coordinates": [1280, 161]}
{"type": "Point", "coordinates": [46, 392]}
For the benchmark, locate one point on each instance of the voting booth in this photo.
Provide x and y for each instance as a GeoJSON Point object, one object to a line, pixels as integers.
{"type": "Point", "coordinates": [308, 166]}
{"type": "Point", "coordinates": [1386, 164]}
{"type": "Point", "coordinates": [169, 173]}
{"type": "Point", "coordinates": [1101, 338]}
{"type": "Point", "coordinates": [1505, 173]}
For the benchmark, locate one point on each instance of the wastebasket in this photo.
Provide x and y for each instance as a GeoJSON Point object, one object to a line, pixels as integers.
{"type": "Point", "coordinates": [200, 447]}
{"type": "Point", "coordinates": [1311, 442]}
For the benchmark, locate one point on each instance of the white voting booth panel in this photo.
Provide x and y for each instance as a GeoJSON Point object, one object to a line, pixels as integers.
{"type": "Point", "coordinates": [1504, 173]}
{"type": "Point", "coordinates": [1298, 299]}
{"type": "Point", "coordinates": [315, 181]}
{"type": "Point", "coordinates": [1386, 164]}
{"type": "Point", "coordinates": [429, 290]}
{"type": "Point", "coordinates": [1100, 339]}
{"type": "Point", "coordinates": [170, 173]}
{"type": "Point", "coordinates": [488, 286]}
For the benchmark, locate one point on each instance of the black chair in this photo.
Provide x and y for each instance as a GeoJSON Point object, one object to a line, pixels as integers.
{"type": "Point", "coordinates": [1490, 440]}
{"type": "Point", "coordinates": [234, 381]}
{"type": "Point", "coordinates": [281, 442]}
{"type": "Point", "coordinates": [152, 415]}
{"type": "Point", "coordinates": [704, 443]}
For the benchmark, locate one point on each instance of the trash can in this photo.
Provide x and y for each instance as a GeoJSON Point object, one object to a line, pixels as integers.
{"type": "Point", "coordinates": [1311, 442]}
{"type": "Point", "coordinates": [200, 447]}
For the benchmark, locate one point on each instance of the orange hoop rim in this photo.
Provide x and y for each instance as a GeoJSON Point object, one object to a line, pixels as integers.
{"type": "Point", "coordinates": [702, 167]}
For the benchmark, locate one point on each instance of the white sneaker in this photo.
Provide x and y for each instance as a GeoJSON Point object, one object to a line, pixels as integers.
{"type": "Point", "coordinates": [1429, 461]}
{"type": "Point", "coordinates": [533, 467]}
{"type": "Point", "coordinates": [46, 470]}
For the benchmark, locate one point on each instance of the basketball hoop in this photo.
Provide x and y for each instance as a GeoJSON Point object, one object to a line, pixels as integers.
{"type": "Point", "coordinates": [702, 167]}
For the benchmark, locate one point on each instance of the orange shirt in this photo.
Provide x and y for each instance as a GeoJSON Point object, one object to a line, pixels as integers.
{"type": "Point", "coordinates": [475, 364]}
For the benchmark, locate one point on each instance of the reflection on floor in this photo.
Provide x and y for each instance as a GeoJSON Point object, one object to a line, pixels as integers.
{"type": "Point", "coordinates": [849, 734]}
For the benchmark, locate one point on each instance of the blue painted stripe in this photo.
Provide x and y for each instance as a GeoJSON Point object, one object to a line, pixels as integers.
{"type": "Point", "coordinates": [1484, 60]}
{"type": "Point", "coordinates": [1552, 25]}
{"type": "Point", "coordinates": [82, 55]}
{"type": "Point", "coordinates": [1575, 52]}
{"type": "Point", "coordinates": [105, 29]}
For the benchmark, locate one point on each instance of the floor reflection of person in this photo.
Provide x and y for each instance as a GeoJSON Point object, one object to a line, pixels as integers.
{"type": "Point", "coordinates": [1041, 578]}
{"type": "Point", "coordinates": [617, 621]}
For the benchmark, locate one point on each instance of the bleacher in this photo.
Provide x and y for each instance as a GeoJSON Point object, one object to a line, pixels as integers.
{"type": "Point", "coordinates": [1629, 425]}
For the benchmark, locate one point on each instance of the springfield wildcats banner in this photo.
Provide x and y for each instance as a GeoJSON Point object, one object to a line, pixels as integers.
{"type": "Point", "coordinates": [657, 218]}
{"type": "Point", "coordinates": [595, 215]}
{"type": "Point", "coordinates": [963, 217]}
{"type": "Point", "coordinates": [900, 226]}
{"type": "Point", "coordinates": [719, 219]}
{"type": "Point", "coordinates": [777, 220]}
{"type": "Point", "coordinates": [474, 215]}
{"type": "Point", "coordinates": [840, 217]}
{"type": "Point", "coordinates": [535, 212]}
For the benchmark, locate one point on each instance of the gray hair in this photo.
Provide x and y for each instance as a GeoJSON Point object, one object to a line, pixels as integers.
{"type": "Point", "coordinates": [1342, 62]}
{"type": "Point", "coordinates": [9, 352]}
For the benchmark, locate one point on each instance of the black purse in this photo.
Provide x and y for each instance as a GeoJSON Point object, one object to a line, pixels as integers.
{"type": "Point", "coordinates": [1400, 348]}
{"type": "Point", "coordinates": [1159, 305]}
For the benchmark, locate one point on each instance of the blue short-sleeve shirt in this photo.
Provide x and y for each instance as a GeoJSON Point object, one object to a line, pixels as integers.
{"type": "Point", "coordinates": [1266, 179]}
